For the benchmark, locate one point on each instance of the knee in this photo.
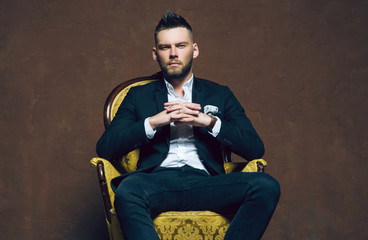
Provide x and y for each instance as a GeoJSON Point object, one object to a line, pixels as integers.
{"type": "Point", "coordinates": [267, 187]}
{"type": "Point", "coordinates": [128, 193]}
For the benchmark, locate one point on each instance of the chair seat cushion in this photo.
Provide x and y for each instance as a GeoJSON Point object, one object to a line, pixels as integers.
{"type": "Point", "coordinates": [189, 225]}
{"type": "Point", "coordinates": [193, 225]}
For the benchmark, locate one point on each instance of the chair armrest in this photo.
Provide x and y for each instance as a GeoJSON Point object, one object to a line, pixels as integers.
{"type": "Point", "coordinates": [105, 172]}
{"type": "Point", "coordinates": [110, 171]}
{"type": "Point", "coordinates": [256, 165]}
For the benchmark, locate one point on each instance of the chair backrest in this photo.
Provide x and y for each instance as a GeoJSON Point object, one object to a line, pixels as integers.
{"type": "Point", "coordinates": [128, 163]}
{"type": "Point", "coordinates": [118, 94]}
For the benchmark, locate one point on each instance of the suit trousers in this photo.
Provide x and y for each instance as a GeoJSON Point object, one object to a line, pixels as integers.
{"type": "Point", "coordinates": [252, 197]}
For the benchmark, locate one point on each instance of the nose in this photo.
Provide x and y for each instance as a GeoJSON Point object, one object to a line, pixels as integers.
{"type": "Point", "coordinates": [173, 52]}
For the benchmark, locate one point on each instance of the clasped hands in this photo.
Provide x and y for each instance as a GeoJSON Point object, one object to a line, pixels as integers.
{"type": "Point", "coordinates": [180, 113]}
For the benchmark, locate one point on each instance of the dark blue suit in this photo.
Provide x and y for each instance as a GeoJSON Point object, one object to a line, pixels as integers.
{"type": "Point", "coordinates": [127, 133]}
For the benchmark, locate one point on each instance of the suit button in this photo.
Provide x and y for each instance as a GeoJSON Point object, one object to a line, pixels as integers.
{"type": "Point", "coordinates": [227, 142]}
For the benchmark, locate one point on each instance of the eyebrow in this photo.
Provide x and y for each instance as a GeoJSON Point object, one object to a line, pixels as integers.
{"type": "Point", "coordinates": [168, 44]}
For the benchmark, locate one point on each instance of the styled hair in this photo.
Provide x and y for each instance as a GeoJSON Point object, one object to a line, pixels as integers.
{"type": "Point", "coordinates": [172, 20]}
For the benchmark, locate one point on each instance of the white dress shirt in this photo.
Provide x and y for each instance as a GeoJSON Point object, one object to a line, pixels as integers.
{"type": "Point", "coordinates": [182, 150]}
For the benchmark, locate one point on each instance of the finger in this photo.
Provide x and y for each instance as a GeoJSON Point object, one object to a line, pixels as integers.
{"type": "Point", "coordinates": [180, 116]}
{"type": "Point", "coordinates": [184, 121]}
{"type": "Point", "coordinates": [172, 108]}
{"type": "Point", "coordinates": [189, 112]}
{"type": "Point", "coordinates": [192, 113]}
{"type": "Point", "coordinates": [168, 104]}
{"type": "Point", "coordinates": [193, 106]}
{"type": "Point", "coordinates": [186, 104]}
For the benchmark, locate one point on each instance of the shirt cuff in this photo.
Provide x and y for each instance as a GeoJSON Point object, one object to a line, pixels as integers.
{"type": "Point", "coordinates": [150, 133]}
{"type": "Point", "coordinates": [216, 129]}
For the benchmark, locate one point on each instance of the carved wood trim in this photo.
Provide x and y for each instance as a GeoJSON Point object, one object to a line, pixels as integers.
{"type": "Point", "coordinates": [104, 190]}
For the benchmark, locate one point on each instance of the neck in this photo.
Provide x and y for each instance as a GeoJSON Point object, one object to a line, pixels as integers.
{"type": "Point", "coordinates": [178, 83]}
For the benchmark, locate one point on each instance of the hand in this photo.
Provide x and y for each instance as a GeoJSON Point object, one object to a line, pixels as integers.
{"type": "Point", "coordinates": [187, 113]}
{"type": "Point", "coordinates": [180, 113]}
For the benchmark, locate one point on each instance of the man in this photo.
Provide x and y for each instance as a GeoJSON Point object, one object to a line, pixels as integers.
{"type": "Point", "coordinates": [180, 125]}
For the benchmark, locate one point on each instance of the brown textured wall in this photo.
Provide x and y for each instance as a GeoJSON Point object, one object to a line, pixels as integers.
{"type": "Point", "coordinates": [299, 68]}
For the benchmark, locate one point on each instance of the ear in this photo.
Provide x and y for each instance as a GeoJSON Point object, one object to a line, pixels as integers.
{"type": "Point", "coordinates": [195, 50]}
{"type": "Point", "coordinates": [154, 53]}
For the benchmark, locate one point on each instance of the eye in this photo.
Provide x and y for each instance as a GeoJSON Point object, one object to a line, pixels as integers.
{"type": "Point", "coordinates": [181, 46]}
{"type": "Point", "coordinates": [164, 47]}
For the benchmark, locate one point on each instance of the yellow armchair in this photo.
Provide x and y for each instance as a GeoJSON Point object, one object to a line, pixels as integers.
{"type": "Point", "coordinates": [189, 225]}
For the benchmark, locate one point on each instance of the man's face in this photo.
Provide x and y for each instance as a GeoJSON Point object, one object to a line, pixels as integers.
{"type": "Point", "coordinates": [174, 52]}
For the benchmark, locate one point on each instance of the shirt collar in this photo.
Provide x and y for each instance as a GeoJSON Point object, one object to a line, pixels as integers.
{"type": "Point", "coordinates": [188, 86]}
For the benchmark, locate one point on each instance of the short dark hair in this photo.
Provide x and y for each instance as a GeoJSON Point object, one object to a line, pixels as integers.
{"type": "Point", "coordinates": [171, 20]}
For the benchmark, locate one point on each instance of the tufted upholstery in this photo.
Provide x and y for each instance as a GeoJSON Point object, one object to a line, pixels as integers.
{"type": "Point", "coordinates": [189, 225]}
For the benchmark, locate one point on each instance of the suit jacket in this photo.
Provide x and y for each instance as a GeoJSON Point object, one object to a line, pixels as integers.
{"type": "Point", "coordinates": [126, 131]}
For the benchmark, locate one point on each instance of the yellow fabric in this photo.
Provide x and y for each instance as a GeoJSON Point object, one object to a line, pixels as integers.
{"type": "Point", "coordinates": [252, 165]}
{"type": "Point", "coordinates": [189, 225]}
{"type": "Point", "coordinates": [129, 161]}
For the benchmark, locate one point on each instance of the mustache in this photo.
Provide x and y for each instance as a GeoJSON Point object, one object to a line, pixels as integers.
{"type": "Point", "coordinates": [175, 62]}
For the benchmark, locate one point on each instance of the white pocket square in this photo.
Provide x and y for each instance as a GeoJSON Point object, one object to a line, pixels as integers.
{"type": "Point", "coordinates": [210, 110]}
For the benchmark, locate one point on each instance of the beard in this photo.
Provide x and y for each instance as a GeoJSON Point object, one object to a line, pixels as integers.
{"type": "Point", "coordinates": [175, 74]}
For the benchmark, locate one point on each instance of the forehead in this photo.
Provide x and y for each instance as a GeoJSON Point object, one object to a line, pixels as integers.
{"type": "Point", "coordinates": [174, 35]}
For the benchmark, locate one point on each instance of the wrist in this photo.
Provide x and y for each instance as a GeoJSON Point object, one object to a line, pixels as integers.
{"type": "Point", "coordinates": [212, 123]}
{"type": "Point", "coordinates": [151, 121]}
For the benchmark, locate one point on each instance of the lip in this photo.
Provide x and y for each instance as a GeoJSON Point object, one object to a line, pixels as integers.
{"type": "Point", "coordinates": [174, 64]}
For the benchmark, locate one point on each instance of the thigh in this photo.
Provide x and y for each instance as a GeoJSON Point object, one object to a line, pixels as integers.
{"type": "Point", "coordinates": [223, 193]}
{"type": "Point", "coordinates": [161, 180]}
{"type": "Point", "coordinates": [159, 191]}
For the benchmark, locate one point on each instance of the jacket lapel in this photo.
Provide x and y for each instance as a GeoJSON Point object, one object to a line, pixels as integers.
{"type": "Point", "coordinates": [196, 92]}
{"type": "Point", "coordinates": [160, 95]}
{"type": "Point", "coordinates": [197, 98]}
{"type": "Point", "coordinates": [161, 98]}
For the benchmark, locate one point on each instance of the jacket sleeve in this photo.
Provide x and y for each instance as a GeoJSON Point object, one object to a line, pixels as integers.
{"type": "Point", "coordinates": [237, 132]}
{"type": "Point", "coordinates": [125, 132]}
